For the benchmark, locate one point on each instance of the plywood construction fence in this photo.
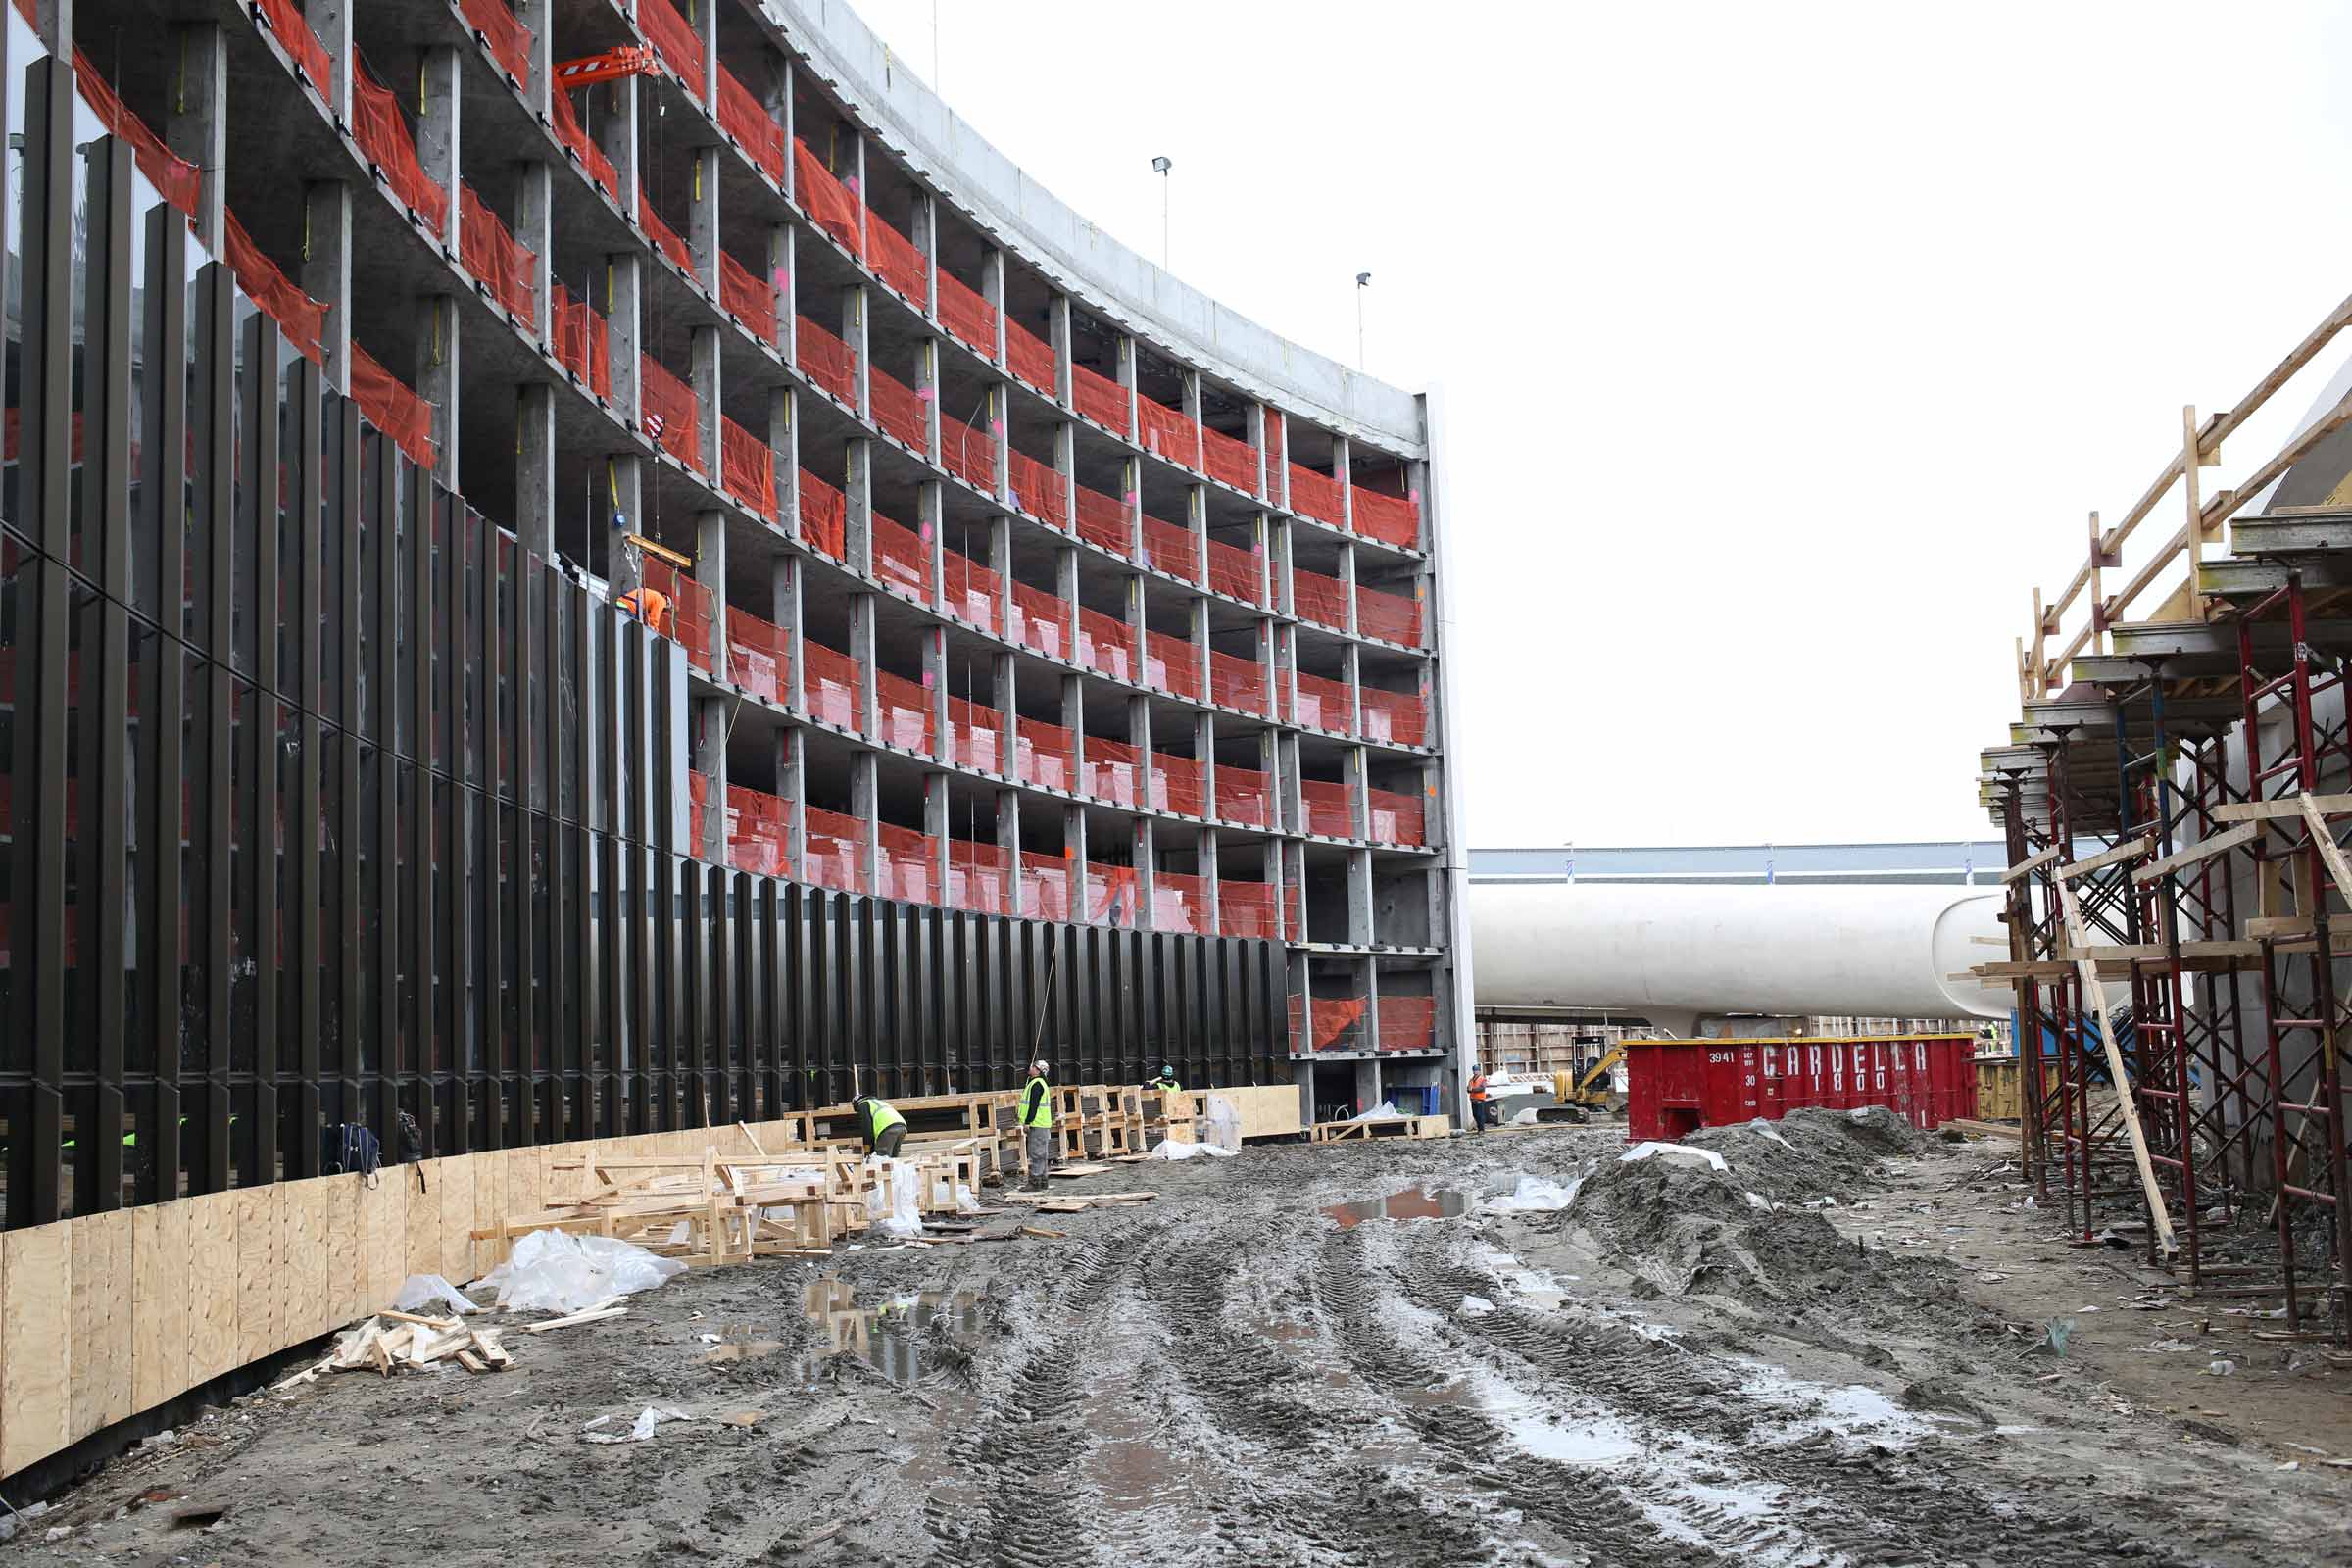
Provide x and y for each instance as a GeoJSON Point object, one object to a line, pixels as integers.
{"type": "Point", "coordinates": [110, 1314]}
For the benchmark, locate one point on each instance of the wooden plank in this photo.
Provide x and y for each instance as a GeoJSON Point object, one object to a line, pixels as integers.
{"type": "Point", "coordinates": [386, 1207]}
{"type": "Point", "coordinates": [489, 1201]}
{"type": "Point", "coordinates": [2206, 850]}
{"type": "Point", "coordinates": [346, 1250]}
{"type": "Point", "coordinates": [36, 1265]}
{"type": "Point", "coordinates": [2027, 867]}
{"type": "Point", "coordinates": [258, 1282]}
{"type": "Point", "coordinates": [2330, 851]}
{"type": "Point", "coordinates": [2126, 1101]}
{"type": "Point", "coordinates": [422, 1253]}
{"type": "Point", "coordinates": [163, 1314]}
{"type": "Point", "coordinates": [212, 1298]}
{"type": "Point", "coordinates": [308, 1305]}
{"type": "Point", "coordinates": [99, 1327]}
{"type": "Point", "coordinates": [456, 1218]}
{"type": "Point", "coordinates": [2288, 805]}
{"type": "Point", "coordinates": [2130, 849]}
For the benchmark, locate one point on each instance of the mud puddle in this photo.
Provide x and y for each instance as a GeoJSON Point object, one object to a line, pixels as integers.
{"type": "Point", "coordinates": [887, 1331]}
{"type": "Point", "coordinates": [1414, 1203]}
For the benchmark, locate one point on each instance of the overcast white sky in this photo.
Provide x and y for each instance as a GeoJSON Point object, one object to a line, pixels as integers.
{"type": "Point", "coordinates": [1785, 348]}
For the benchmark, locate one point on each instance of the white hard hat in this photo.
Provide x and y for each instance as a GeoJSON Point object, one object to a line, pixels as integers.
{"type": "Point", "coordinates": [1038, 1067]}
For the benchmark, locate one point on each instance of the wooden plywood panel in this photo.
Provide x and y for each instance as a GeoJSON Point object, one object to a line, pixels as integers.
{"type": "Point", "coordinates": [489, 1192]}
{"type": "Point", "coordinates": [346, 1249]}
{"type": "Point", "coordinates": [100, 1355]}
{"type": "Point", "coordinates": [456, 1218]}
{"type": "Point", "coordinates": [303, 1306]}
{"type": "Point", "coordinates": [386, 1209]}
{"type": "Point", "coordinates": [163, 1310]}
{"type": "Point", "coordinates": [1266, 1111]}
{"type": "Point", "coordinates": [37, 1270]}
{"type": "Point", "coordinates": [212, 1255]}
{"type": "Point", "coordinates": [423, 1252]}
{"type": "Point", "coordinates": [257, 1283]}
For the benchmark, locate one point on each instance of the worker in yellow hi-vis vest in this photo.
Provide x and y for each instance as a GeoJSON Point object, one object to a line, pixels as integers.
{"type": "Point", "coordinates": [1036, 1111]}
{"type": "Point", "coordinates": [883, 1127]}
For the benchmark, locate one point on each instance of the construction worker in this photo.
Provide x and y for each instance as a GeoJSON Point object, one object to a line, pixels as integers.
{"type": "Point", "coordinates": [1166, 1081]}
{"type": "Point", "coordinates": [1036, 1114]}
{"type": "Point", "coordinates": [649, 604]}
{"type": "Point", "coordinates": [1481, 1108]}
{"type": "Point", "coordinates": [884, 1127]}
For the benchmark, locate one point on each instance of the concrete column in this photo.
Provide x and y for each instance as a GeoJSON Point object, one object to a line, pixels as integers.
{"type": "Point", "coordinates": [1283, 643]}
{"type": "Point", "coordinates": [859, 531]}
{"type": "Point", "coordinates": [624, 293]}
{"type": "Point", "coordinates": [1353, 765]}
{"type": "Point", "coordinates": [710, 572]}
{"type": "Point", "coordinates": [1065, 588]}
{"type": "Point", "coordinates": [926, 240]}
{"type": "Point", "coordinates": [196, 127]}
{"type": "Point", "coordinates": [992, 290]}
{"type": "Point", "coordinates": [705, 16]}
{"type": "Point", "coordinates": [1131, 612]}
{"type": "Point", "coordinates": [540, 16]}
{"type": "Point", "coordinates": [1290, 814]}
{"type": "Point", "coordinates": [790, 780]}
{"type": "Point", "coordinates": [1192, 411]}
{"type": "Point", "coordinates": [1348, 581]}
{"type": "Point", "coordinates": [854, 180]}
{"type": "Point", "coordinates": [1352, 675]}
{"type": "Point", "coordinates": [784, 609]}
{"type": "Point", "coordinates": [926, 391]}
{"type": "Point", "coordinates": [616, 134]}
{"type": "Point", "coordinates": [1294, 875]}
{"type": "Point", "coordinates": [702, 213]}
{"type": "Point", "coordinates": [1196, 628]}
{"type": "Point", "coordinates": [326, 269]}
{"type": "Point", "coordinates": [1145, 856]}
{"type": "Point", "coordinates": [1059, 324]}
{"type": "Point", "coordinates": [1126, 378]}
{"type": "Point", "coordinates": [999, 437]}
{"type": "Point", "coordinates": [1074, 859]}
{"type": "Point", "coordinates": [1277, 567]}
{"type": "Point", "coordinates": [535, 467]}
{"type": "Point", "coordinates": [1204, 752]}
{"type": "Point", "coordinates": [1359, 902]}
{"type": "Point", "coordinates": [865, 806]}
{"type": "Point", "coordinates": [937, 824]}
{"type": "Point", "coordinates": [1212, 879]}
{"type": "Point", "coordinates": [1065, 472]}
{"type": "Point", "coordinates": [783, 255]}
{"type": "Point", "coordinates": [1008, 839]}
{"type": "Point", "coordinates": [1262, 554]}
{"type": "Point", "coordinates": [1073, 719]}
{"type": "Point", "coordinates": [1341, 468]}
{"type": "Point", "coordinates": [438, 378]}
{"type": "Point", "coordinates": [852, 332]}
{"type": "Point", "coordinates": [1002, 673]}
{"type": "Point", "coordinates": [534, 226]}
{"type": "Point", "coordinates": [999, 562]}
{"type": "Point", "coordinates": [935, 692]}
{"type": "Point", "coordinates": [708, 837]}
{"type": "Point", "coordinates": [862, 648]}
{"type": "Point", "coordinates": [930, 510]}
{"type": "Point", "coordinates": [1253, 431]}
{"type": "Point", "coordinates": [53, 20]}
{"type": "Point", "coordinates": [780, 104]}
{"type": "Point", "coordinates": [438, 113]}
{"type": "Point", "coordinates": [1131, 499]}
{"type": "Point", "coordinates": [332, 20]}
{"type": "Point", "coordinates": [1196, 519]}
{"type": "Point", "coordinates": [703, 376]}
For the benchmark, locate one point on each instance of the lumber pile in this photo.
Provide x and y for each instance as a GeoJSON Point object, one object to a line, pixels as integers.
{"type": "Point", "coordinates": [1333, 1132]}
{"type": "Point", "coordinates": [1165, 1117]}
{"type": "Point", "coordinates": [408, 1341]}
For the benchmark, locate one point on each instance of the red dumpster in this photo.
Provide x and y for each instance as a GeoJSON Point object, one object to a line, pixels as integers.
{"type": "Point", "coordinates": [1676, 1087]}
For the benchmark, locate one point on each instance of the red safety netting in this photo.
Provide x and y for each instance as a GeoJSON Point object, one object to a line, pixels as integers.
{"type": "Point", "coordinates": [1046, 757]}
{"type": "Point", "coordinates": [908, 864]}
{"type": "Point", "coordinates": [1178, 785]}
{"type": "Point", "coordinates": [1045, 886]}
{"type": "Point", "coordinates": [824, 516]}
{"type": "Point", "coordinates": [1029, 357]}
{"type": "Point", "coordinates": [1040, 619]}
{"type": "Point", "coordinates": [698, 795]}
{"type": "Point", "coordinates": [826, 359]}
{"type": "Point", "coordinates": [895, 258]}
{"type": "Point", "coordinates": [1408, 1023]}
{"type": "Point", "coordinates": [826, 200]}
{"type": "Point", "coordinates": [829, 679]}
{"type": "Point", "coordinates": [1397, 716]}
{"type": "Point", "coordinates": [758, 655]}
{"type": "Point", "coordinates": [1318, 597]}
{"type": "Point", "coordinates": [742, 117]}
{"type": "Point", "coordinates": [1037, 489]}
{"type": "Point", "coordinates": [581, 339]}
{"type": "Point", "coordinates": [1102, 521]}
{"type": "Point", "coordinates": [1392, 617]}
{"type": "Point", "coordinates": [1328, 809]}
{"type": "Point", "coordinates": [897, 409]}
{"type": "Point", "coordinates": [1396, 817]}
{"type": "Point", "coordinates": [901, 560]}
{"type": "Point", "coordinates": [1234, 462]}
{"type": "Point", "coordinates": [1243, 796]}
{"type": "Point", "coordinates": [383, 135]}
{"type": "Point", "coordinates": [174, 178]}
{"type": "Point", "coordinates": [675, 40]}
{"type": "Point", "coordinates": [747, 467]}
{"type": "Point", "coordinates": [1111, 898]}
{"type": "Point", "coordinates": [693, 610]}
{"type": "Point", "coordinates": [1111, 773]}
{"type": "Point", "coordinates": [1236, 682]}
{"type": "Point", "coordinates": [392, 407]}
{"type": "Point", "coordinates": [1334, 1022]}
{"type": "Point", "coordinates": [1099, 398]}
{"type": "Point", "coordinates": [665, 238]}
{"type": "Point", "coordinates": [967, 590]}
{"type": "Point", "coordinates": [747, 296]}
{"type": "Point", "coordinates": [1314, 495]}
{"type": "Point", "coordinates": [671, 412]}
{"type": "Point", "coordinates": [508, 40]}
{"type": "Point", "coordinates": [1173, 550]}
{"type": "Point", "coordinates": [966, 312]}
{"type": "Point", "coordinates": [968, 454]}
{"type": "Point", "coordinates": [1391, 519]}
{"type": "Point", "coordinates": [977, 735]}
{"type": "Point", "coordinates": [759, 831]}
{"type": "Point", "coordinates": [285, 18]}
{"type": "Point", "coordinates": [1179, 903]}
{"type": "Point", "coordinates": [1171, 665]}
{"type": "Point", "coordinates": [572, 134]}
{"type": "Point", "coordinates": [835, 853]}
{"type": "Point", "coordinates": [1276, 451]}
{"type": "Point", "coordinates": [976, 876]}
{"type": "Point", "coordinates": [1234, 571]}
{"type": "Point", "coordinates": [1322, 703]}
{"type": "Point", "coordinates": [1168, 433]}
{"type": "Point", "coordinates": [498, 261]}
{"type": "Point", "coordinates": [1246, 910]}
{"type": "Point", "coordinates": [301, 317]}
{"type": "Point", "coordinates": [903, 716]}
{"type": "Point", "coordinates": [1105, 645]}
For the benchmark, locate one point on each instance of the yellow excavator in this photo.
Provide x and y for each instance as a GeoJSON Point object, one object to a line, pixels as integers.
{"type": "Point", "coordinates": [1591, 1091]}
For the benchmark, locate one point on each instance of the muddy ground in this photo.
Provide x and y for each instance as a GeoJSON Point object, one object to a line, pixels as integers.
{"type": "Point", "coordinates": [1281, 1362]}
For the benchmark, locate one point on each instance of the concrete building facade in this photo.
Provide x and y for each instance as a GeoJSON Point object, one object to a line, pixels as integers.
{"type": "Point", "coordinates": [760, 598]}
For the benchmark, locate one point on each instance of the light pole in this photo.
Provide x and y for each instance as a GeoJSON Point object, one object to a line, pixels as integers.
{"type": "Point", "coordinates": [1160, 167]}
{"type": "Point", "coordinates": [1363, 280]}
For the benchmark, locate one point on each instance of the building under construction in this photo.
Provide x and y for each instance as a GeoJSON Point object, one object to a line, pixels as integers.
{"type": "Point", "coordinates": [607, 567]}
{"type": "Point", "coordinates": [2173, 792]}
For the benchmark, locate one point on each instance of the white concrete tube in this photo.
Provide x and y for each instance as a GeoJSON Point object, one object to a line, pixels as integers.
{"type": "Point", "coordinates": [1875, 951]}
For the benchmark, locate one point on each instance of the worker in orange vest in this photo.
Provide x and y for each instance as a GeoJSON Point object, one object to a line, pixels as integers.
{"type": "Point", "coordinates": [1481, 1107]}
{"type": "Point", "coordinates": [649, 604]}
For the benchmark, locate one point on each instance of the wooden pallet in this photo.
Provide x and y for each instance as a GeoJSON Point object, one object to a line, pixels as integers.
{"type": "Point", "coordinates": [1333, 1132]}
